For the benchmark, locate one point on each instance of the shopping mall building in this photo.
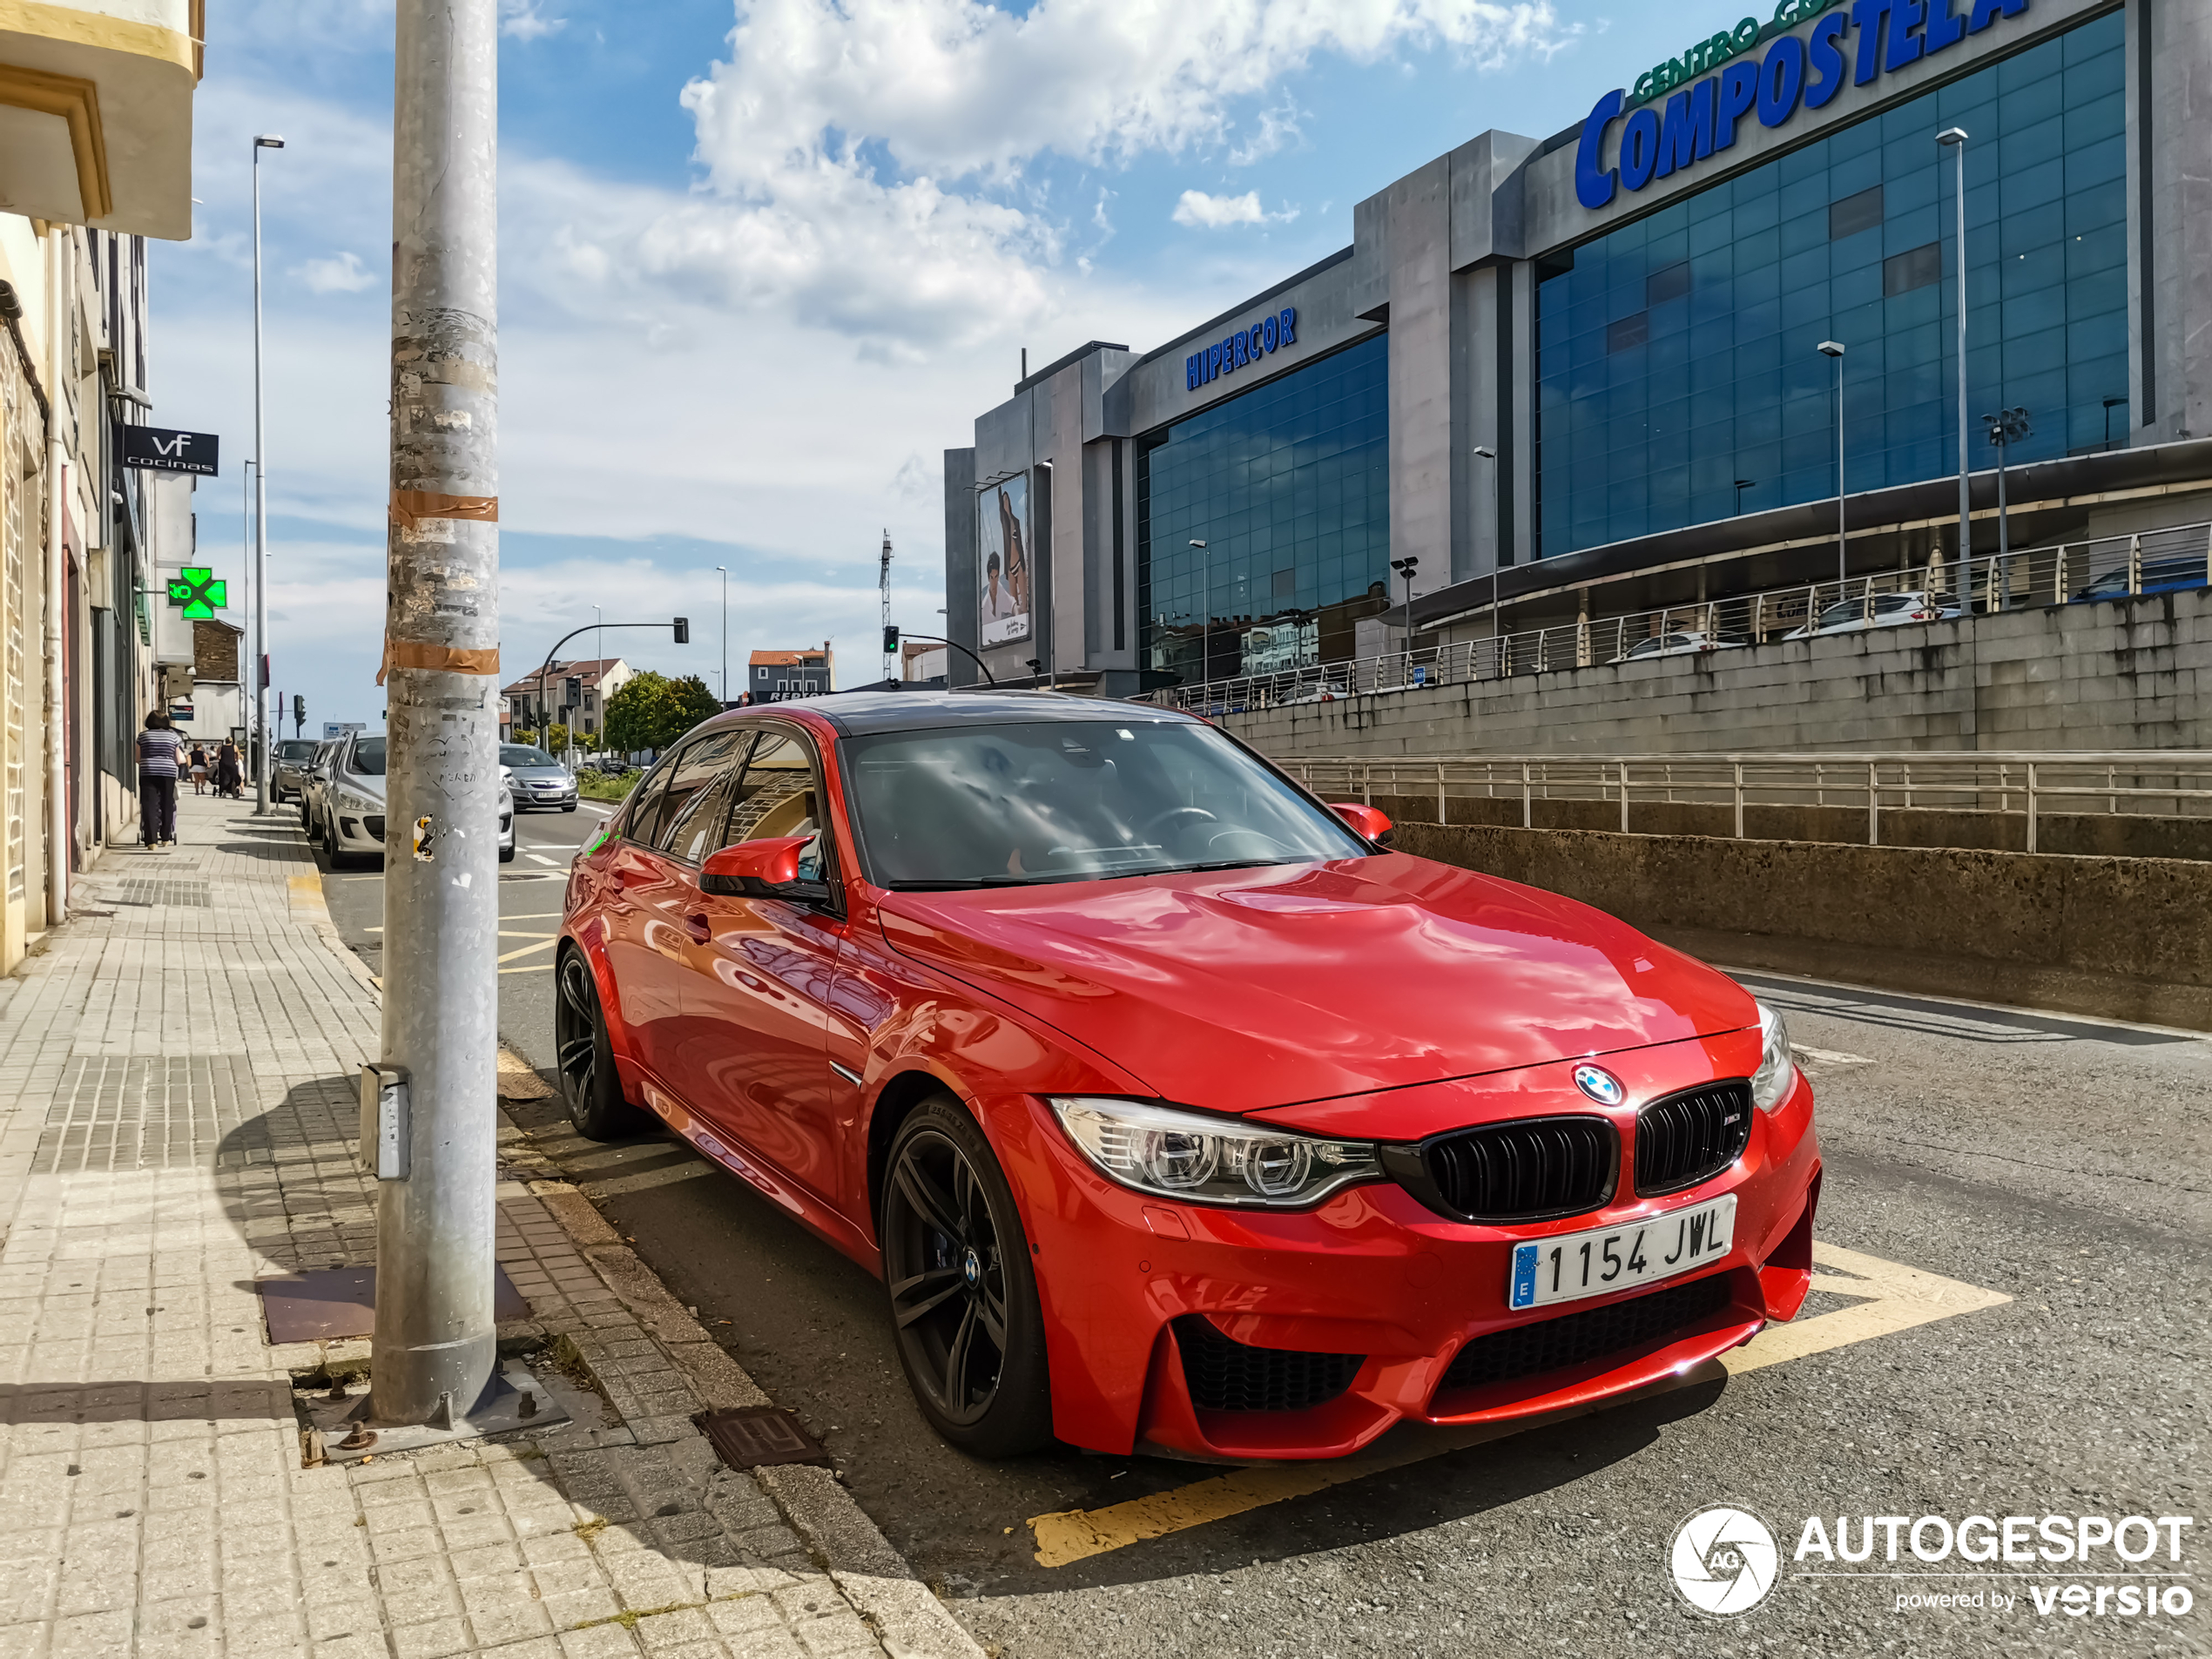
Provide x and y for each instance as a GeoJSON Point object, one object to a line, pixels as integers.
{"type": "Point", "coordinates": [1581, 375]}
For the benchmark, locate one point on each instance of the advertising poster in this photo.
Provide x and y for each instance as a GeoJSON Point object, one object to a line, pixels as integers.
{"type": "Point", "coordinates": [1003, 562]}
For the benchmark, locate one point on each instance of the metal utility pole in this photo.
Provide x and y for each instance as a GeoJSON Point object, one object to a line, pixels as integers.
{"type": "Point", "coordinates": [435, 1353]}
{"type": "Point", "coordinates": [257, 731]}
{"type": "Point", "coordinates": [883, 587]}
{"type": "Point", "coordinates": [725, 634]}
{"type": "Point", "coordinates": [1954, 139]}
{"type": "Point", "coordinates": [1834, 349]}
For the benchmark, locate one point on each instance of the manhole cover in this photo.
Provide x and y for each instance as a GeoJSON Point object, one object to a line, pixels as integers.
{"type": "Point", "coordinates": [750, 1436]}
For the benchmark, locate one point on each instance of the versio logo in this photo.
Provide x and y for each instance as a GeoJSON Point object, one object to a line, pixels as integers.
{"type": "Point", "coordinates": [1724, 1561]}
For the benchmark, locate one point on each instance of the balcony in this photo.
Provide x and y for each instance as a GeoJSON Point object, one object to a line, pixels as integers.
{"type": "Point", "coordinates": [96, 112]}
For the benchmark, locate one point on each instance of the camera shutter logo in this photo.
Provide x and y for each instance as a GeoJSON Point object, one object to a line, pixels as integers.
{"type": "Point", "coordinates": [1724, 1561]}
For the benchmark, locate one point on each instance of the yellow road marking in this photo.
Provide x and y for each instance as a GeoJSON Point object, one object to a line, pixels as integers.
{"type": "Point", "coordinates": [546, 943]}
{"type": "Point", "coordinates": [536, 967]}
{"type": "Point", "coordinates": [1896, 1298]}
{"type": "Point", "coordinates": [304, 895]}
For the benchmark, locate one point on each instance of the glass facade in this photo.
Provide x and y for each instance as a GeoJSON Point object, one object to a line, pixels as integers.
{"type": "Point", "coordinates": [1679, 379]}
{"type": "Point", "coordinates": [1288, 487]}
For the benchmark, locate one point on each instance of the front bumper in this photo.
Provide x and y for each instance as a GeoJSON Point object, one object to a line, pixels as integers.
{"type": "Point", "coordinates": [1373, 1274]}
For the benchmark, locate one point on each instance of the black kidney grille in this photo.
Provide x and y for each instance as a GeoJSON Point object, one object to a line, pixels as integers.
{"type": "Point", "coordinates": [1576, 1339]}
{"type": "Point", "coordinates": [1226, 1376]}
{"type": "Point", "coordinates": [1525, 1171]}
{"type": "Point", "coordinates": [1691, 1136]}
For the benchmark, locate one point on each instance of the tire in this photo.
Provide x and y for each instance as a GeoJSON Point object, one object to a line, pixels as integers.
{"type": "Point", "coordinates": [506, 853]}
{"type": "Point", "coordinates": [956, 1262]}
{"type": "Point", "coordinates": [590, 1087]}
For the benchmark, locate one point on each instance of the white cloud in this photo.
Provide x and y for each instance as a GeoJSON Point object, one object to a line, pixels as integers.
{"type": "Point", "coordinates": [1277, 127]}
{"type": "Point", "coordinates": [1202, 211]}
{"type": "Point", "coordinates": [523, 21]}
{"type": "Point", "coordinates": [343, 274]}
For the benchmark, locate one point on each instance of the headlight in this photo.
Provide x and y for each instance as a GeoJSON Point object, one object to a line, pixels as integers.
{"type": "Point", "coordinates": [1212, 1160]}
{"type": "Point", "coordinates": [349, 802]}
{"type": "Point", "coordinates": [1777, 1069]}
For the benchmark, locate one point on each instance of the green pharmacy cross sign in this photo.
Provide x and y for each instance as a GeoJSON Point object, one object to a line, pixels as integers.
{"type": "Point", "coordinates": [199, 591]}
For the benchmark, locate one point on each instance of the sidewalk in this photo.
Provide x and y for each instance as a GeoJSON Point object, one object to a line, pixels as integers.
{"type": "Point", "coordinates": [176, 1109]}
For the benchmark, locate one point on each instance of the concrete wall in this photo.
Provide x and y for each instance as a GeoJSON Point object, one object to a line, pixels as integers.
{"type": "Point", "coordinates": [2126, 674]}
{"type": "Point", "coordinates": [2120, 937]}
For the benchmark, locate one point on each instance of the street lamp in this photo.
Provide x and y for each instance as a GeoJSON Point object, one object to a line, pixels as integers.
{"type": "Point", "coordinates": [1405, 567]}
{"type": "Point", "coordinates": [726, 633]}
{"type": "Point", "coordinates": [1954, 139]}
{"type": "Point", "coordinates": [2006, 428]}
{"type": "Point", "coordinates": [1834, 349]}
{"type": "Point", "coordinates": [257, 736]}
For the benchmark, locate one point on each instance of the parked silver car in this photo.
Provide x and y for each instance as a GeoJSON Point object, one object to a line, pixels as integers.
{"type": "Point", "coordinates": [292, 755]}
{"type": "Point", "coordinates": [351, 819]}
{"type": "Point", "coordinates": [535, 778]}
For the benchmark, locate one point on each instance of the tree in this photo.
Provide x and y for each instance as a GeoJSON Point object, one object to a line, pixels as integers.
{"type": "Point", "coordinates": [651, 710]}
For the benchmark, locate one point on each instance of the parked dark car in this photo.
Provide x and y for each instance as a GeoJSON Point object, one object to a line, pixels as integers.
{"type": "Point", "coordinates": [2166, 573]}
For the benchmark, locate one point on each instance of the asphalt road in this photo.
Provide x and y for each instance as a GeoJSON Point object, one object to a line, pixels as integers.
{"type": "Point", "coordinates": [2049, 1172]}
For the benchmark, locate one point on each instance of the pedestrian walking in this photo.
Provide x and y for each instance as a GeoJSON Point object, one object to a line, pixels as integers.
{"type": "Point", "coordinates": [158, 747]}
{"type": "Point", "coordinates": [229, 781]}
{"type": "Point", "coordinates": [199, 767]}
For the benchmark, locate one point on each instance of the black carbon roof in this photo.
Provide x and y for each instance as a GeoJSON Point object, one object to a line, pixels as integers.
{"type": "Point", "coordinates": [854, 714]}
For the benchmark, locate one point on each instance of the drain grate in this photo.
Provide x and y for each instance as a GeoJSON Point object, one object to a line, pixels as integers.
{"type": "Point", "coordinates": [150, 890]}
{"type": "Point", "coordinates": [753, 1436]}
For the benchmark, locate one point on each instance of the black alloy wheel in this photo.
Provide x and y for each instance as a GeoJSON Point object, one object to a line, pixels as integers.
{"type": "Point", "coordinates": [963, 1297]}
{"type": "Point", "coordinates": [590, 1088]}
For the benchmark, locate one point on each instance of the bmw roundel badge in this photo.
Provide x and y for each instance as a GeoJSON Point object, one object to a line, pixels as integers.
{"type": "Point", "coordinates": [1600, 1085]}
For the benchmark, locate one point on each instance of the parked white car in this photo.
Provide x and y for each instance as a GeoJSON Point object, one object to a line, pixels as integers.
{"type": "Point", "coordinates": [1683, 644]}
{"type": "Point", "coordinates": [1890, 610]}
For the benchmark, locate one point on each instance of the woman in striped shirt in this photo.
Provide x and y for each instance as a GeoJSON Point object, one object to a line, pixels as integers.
{"type": "Point", "coordinates": [158, 747]}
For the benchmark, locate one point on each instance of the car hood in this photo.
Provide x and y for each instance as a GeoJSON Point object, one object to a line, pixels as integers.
{"type": "Point", "coordinates": [1253, 989]}
{"type": "Point", "coordinates": [543, 774]}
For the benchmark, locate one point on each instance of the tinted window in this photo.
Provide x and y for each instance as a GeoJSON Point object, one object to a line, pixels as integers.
{"type": "Point", "coordinates": [777, 796]}
{"type": "Point", "coordinates": [520, 754]}
{"type": "Point", "coordinates": [294, 749]}
{"type": "Point", "coordinates": [698, 765]}
{"type": "Point", "coordinates": [696, 830]}
{"type": "Point", "coordinates": [980, 805]}
{"type": "Point", "coordinates": [368, 758]}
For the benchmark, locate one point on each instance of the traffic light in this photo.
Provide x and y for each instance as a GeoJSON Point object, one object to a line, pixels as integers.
{"type": "Point", "coordinates": [298, 713]}
{"type": "Point", "coordinates": [890, 638]}
{"type": "Point", "coordinates": [683, 630]}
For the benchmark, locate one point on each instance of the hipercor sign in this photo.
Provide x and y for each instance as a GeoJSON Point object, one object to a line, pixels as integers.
{"type": "Point", "coordinates": [1247, 346]}
{"type": "Point", "coordinates": [1855, 43]}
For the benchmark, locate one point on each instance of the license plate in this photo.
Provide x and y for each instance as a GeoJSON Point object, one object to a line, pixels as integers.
{"type": "Point", "coordinates": [1574, 1266]}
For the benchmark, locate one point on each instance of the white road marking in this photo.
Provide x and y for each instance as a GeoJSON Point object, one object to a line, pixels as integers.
{"type": "Point", "coordinates": [541, 858]}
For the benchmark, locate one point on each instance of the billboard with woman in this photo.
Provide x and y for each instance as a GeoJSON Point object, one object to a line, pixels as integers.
{"type": "Point", "coordinates": [1003, 562]}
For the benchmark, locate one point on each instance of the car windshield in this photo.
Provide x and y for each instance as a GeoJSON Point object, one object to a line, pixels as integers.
{"type": "Point", "coordinates": [1018, 805]}
{"type": "Point", "coordinates": [294, 749]}
{"type": "Point", "coordinates": [368, 758]}
{"type": "Point", "coordinates": [520, 754]}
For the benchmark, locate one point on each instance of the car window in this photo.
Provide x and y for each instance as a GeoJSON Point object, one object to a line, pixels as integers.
{"type": "Point", "coordinates": [295, 750]}
{"type": "Point", "coordinates": [699, 764]}
{"type": "Point", "coordinates": [696, 829]}
{"type": "Point", "coordinates": [1890, 603]}
{"type": "Point", "coordinates": [368, 758]}
{"type": "Point", "coordinates": [1647, 648]}
{"type": "Point", "coordinates": [1849, 611]}
{"type": "Point", "coordinates": [989, 805]}
{"type": "Point", "coordinates": [641, 816]}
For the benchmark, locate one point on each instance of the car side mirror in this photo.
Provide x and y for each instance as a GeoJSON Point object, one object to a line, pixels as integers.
{"type": "Point", "coordinates": [1366, 821]}
{"type": "Point", "coordinates": [766, 868]}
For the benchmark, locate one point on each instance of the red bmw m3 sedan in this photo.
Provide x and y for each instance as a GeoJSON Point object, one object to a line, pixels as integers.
{"type": "Point", "coordinates": [1175, 1110]}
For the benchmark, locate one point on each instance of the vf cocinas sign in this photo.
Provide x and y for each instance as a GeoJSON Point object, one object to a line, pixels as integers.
{"type": "Point", "coordinates": [1809, 71]}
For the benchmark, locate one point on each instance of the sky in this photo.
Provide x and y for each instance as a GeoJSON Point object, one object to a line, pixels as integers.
{"type": "Point", "coordinates": [761, 263]}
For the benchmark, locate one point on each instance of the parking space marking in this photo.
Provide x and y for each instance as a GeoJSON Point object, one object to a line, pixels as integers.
{"type": "Point", "coordinates": [545, 941]}
{"type": "Point", "coordinates": [1893, 1298]}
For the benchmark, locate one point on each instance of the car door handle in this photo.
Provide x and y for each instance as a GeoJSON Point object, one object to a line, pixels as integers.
{"type": "Point", "coordinates": [697, 925]}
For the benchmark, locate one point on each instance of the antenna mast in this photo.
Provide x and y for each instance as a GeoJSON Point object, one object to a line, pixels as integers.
{"type": "Point", "coordinates": [883, 585]}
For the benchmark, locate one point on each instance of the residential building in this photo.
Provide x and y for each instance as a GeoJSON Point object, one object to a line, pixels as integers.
{"type": "Point", "coordinates": [777, 676]}
{"type": "Point", "coordinates": [1553, 376]}
{"type": "Point", "coordinates": [97, 158]}
{"type": "Point", "coordinates": [582, 707]}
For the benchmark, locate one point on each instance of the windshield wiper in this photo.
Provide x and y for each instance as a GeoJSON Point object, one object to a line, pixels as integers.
{"type": "Point", "coordinates": [954, 883]}
{"type": "Point", "coordinates": [1217, 864]}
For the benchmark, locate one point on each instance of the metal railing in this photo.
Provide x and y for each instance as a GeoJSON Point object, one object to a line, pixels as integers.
{"type": "Point", "coordinates": [2070, 573]}
{"type": "Point", "coordinates": [2032, 786]}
